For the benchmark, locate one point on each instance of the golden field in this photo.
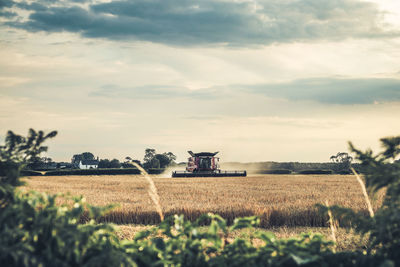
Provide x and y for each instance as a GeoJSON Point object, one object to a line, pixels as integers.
{"type": "Point", "coordinates": [279, 200]}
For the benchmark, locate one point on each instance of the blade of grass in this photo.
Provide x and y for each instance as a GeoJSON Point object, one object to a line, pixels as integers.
{"type": "Point", "coordinates": [364, 190]}
{"type": "Point", "coordinates": [152, 190]}
{"type": "Point", "coordinates": [332, 225]}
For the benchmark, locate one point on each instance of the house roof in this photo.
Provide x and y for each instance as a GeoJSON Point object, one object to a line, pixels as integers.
{"type": "Point", "coordinates": [89, 162]}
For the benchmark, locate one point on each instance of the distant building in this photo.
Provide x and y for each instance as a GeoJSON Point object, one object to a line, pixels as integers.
{"type": "Point", "coordinates": [88, 164]}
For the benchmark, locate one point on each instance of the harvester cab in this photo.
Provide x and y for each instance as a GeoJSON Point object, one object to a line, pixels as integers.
{"type": "Point", "coordinates": [202, 162]}
{"type": "Point", "coordinates": [205, 164]}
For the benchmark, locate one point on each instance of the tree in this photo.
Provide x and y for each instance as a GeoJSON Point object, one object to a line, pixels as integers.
{"type": "Point", "coordinates": [87, 156]}
{"type": "Point", "coordinates": [107, 164]}
{"type": "Point", "coordinates": [162, 159]}
{"type": "Point", "coordinates": [46, 160]}
{"type": "Point", "coordinates": [104, 163]}
{"type": "Point", "coordinates": [115, 163]}
{"type": "Point", "coordinates": [149, 154]}
{"type": "Point", "coordinates": [152, 160]}
{"type": "Point", "coordinates": [165, 159]}
{"type": "Point", "coordinates": [84, 156]}
{"type": "Point", "coordinates": [154, 164]}
{"type": "Point", "coordinates": [79, 157]}
{"type": "Point", "coordinates": [170, 156]}
{"type": "Point", "coordinates": [343, 161]}
{"type": "Point", "coordinates": [128, 162]}
{"type": "Point", "coordinates": [341, 157]}
{"type": "Point", "coordinates": [76, 159]}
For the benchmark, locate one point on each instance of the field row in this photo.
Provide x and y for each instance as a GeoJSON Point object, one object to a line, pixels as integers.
{"type": "Point", "coordinates": [279, 200]}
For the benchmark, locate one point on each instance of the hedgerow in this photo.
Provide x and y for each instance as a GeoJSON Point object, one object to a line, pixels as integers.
{"type": "Point", "coordinates": [35, 231]}
{"type": "Point", "coordinates": [111, 171]}
{"type": "Point", "coordinates": [316, 172]}
{"type": "Point", "coordinates": [275, 171]}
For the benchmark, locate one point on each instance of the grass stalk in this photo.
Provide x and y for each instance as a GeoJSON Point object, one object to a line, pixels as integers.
{"type": "Point", "coordinates": [152, 190]}
{"type": "Point", "coordinates": [364, 190]}
{"type": "Point", "coordinates": [331, 224]}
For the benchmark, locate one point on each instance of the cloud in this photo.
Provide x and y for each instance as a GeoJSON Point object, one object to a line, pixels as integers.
{"type": "Point", "coordinates": [190, 22]}
{"type": "Point", "coordinates": [153, 92]}
{"type": "Point", "coordinates": [6, 3]}
{"type": "Point", "coordinates": [35, 6]}
{"type": "Point", "coordinates": [321, 90]}
{"type": "Point", "coordinates": [6, 13]}
{"type": "Point", "coordinates": [331, 90]}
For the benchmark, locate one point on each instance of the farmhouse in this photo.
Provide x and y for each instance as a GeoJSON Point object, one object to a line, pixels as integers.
{"type": "Point", "coordinates": [88, 164]}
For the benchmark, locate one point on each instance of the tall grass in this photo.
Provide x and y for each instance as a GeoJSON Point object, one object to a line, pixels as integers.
{"type": "Point", "coordinates": [152, 190]}
{"type": "Point", "coordinates": [364, 191]}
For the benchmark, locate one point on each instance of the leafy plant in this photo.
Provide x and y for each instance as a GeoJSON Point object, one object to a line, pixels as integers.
{"type": "Point", "coordinates": [35, 231]}
{"type": "Point", "coordinates": [18, 151]}
{"type": "Point", "coordinates": [382, 171]}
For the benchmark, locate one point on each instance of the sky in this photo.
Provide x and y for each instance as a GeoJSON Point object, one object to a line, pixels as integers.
{"type": "Point", "coordinates": [269, 80]}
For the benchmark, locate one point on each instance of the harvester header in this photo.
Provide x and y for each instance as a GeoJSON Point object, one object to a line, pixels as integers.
{"type": "Point", "coordinates": [205, 164]}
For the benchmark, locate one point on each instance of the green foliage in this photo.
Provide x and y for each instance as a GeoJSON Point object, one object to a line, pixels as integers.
{"type": "Point", "coordinates": [382, 171]}
{"type": "Point", "coordinates": [154, 163]}
{"type": "Point", "coordinates": [163, 159]}
{"type": "Point", "coordinates": [84, 156]}
{"type": "Point", "coordinates": [152, 160]}
{"type": "Point", "coordinates": [35, 231]}
{"type": "Point", "coordinates": [149, 154]}
{"type": "Point", "coordinates": [105, 163]}
{"type": "Point", "coordinates": [177, 241]}
{"type": "Point", "coordinates": [18, 151]}
{"type": "Point", "coordinates": [114, 163]}
{"type": "Point", "coordinates": [342, 162]}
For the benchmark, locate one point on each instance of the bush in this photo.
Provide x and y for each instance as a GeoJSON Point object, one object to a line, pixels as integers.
{"type": "Point", "coordinates": [316, 172]}
{"type": "Point", "coordinates": [382, 171]}
{"type": "Point", "coordinates": [281, 171]}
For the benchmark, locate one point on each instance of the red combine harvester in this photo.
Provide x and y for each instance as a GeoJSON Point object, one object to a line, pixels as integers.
{"type": "Point", "coordinates": [205, 164]}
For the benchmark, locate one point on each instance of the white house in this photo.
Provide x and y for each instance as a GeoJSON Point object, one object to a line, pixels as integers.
{"type": "Point", "coordinates": [88, 164]}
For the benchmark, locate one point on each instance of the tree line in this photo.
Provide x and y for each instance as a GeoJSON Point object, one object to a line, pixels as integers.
{"type": "Point", "coordinates": [151, 160]}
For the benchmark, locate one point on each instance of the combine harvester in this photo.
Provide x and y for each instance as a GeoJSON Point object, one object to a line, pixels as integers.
{"type": "Point", "coordinates": [205, 164]}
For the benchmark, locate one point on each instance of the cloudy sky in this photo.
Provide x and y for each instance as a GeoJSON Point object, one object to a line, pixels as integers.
{"type": "Point", "coordinates": [281, 80]}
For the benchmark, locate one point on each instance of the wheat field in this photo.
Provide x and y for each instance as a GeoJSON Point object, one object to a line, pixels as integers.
{"type": "Point", "coordinates": [279, 200]}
